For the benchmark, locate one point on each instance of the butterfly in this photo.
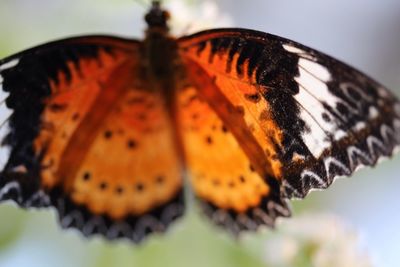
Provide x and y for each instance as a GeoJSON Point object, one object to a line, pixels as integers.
{"type": "Point", "coordinates": [107, 130]}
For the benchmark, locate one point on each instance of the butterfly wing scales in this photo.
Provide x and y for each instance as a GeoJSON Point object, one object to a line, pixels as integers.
{"type": "Point", "coordinates": [93, 140]}
{"type": "Point", "coordinates": [232, 158]}
{"type": "Point", "coordinates": [221, 173]}
{"type": "Point", "coordinates": [322, 118]}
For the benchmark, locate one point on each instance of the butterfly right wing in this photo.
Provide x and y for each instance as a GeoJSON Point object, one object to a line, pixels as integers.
{"type": "Point", "coordinates": [313, 117]}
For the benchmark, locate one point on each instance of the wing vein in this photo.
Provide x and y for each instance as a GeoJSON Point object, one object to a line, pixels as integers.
{"type": "Point", "coordinates": [312, 74]}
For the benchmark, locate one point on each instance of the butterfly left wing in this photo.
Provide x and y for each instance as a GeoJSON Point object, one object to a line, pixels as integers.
{"type": "Point", "coordinates": [300, 117]}
{"type": "Point", "coordinates": [26, 80]}
{"type": "Point", "coordinates": [83, 130]}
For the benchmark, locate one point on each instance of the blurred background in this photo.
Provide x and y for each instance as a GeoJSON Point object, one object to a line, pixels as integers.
{"type": "Point", "coordinates": [364, 33]}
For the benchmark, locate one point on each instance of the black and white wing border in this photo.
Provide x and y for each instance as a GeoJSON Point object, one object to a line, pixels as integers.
{"type": "Point", "coordinates": [349, 121]}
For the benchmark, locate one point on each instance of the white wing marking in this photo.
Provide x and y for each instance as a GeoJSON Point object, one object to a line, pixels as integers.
{"type": "Point", "coordinates": [317, 70]}
{"type": "Point", "coordinates": [9, 64]}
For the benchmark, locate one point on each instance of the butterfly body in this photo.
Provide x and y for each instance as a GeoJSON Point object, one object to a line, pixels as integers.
{"type": "Point", "coordinates": [105, 128]}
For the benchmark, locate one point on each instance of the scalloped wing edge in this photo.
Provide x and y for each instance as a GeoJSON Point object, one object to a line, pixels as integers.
{"type": "Point", "coordinates": [380, 146]}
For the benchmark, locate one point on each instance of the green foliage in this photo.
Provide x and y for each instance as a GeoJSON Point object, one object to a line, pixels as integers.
{"type": "Point", "coordinates": [11, 225]}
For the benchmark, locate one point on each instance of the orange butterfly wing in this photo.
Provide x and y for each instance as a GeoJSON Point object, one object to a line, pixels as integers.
{"type": "Point", "coordinates": [231, 140]}
{"type": "Point", "coordinates": [298, 117]}
{"type": "Point", "coordinates": [221, 169]}
{"type": "Point", "coordinates": [101, 132]}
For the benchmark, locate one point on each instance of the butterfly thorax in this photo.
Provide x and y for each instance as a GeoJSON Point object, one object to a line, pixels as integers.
{"type": "Point", "coordinates": [160, 49]}
{"type": "Point", "coordinates": [160, 55]}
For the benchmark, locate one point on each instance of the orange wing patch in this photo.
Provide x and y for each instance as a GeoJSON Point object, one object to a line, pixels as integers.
{"type": "Point", "coordinates": [118, 175]}
{"type": "Point", "coordinates": [100, 148]}
{"type": "Point", "coordinates": [230, 169]}
{"type": "Point", "coordinates": [220, 171]}
{"type": "Point", "coordinates": [247, 100]}
{"type": "Point", "coordinates": [240, 171]}
{"type": "Point", "coordinates": [244, 95]}
{"type": "Point", "coordinates": [72, 98]}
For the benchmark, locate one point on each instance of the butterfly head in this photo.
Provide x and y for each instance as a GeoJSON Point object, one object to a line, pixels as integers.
{"type": "Point", "coordinates": [157, 17]}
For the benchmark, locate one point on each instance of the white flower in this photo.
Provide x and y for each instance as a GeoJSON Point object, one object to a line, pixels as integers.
{"type": "Point", "coordinates": [281, 251]}
{"type": "Point", "coordinates": [315, 240]}
{"type": "Point", "coordinates": [192, 16]}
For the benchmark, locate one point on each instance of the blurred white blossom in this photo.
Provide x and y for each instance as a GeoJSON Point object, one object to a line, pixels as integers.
{"type": "Point", "coordinates": [192, 16]}
{"type": "Point", "coordinates": [315, 240]}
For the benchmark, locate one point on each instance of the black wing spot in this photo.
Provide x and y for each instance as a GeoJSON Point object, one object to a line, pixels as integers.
{"type": "Point", "coordinates": [57, 107]}
{"type": "Point", "coordinates": [255, 98]}
{"type": "Point", "coordinates": [119, 190]}
{"type": "Point", "coordinates": [251, 167]}
{"type": "Point", "coordinates": [242, 179]}
{"type": "Point", "coordinates": [224, 129]}
{"type": "Point", "coordinates": [160, 179]}
{"type": "Point", "coordinates": [131, 143]}
{"type": "Point", "coordinates": [103, 186]}
{"type": "Point", "coordinates": [108, 134]}
{"type": "Point", "coordinates": [240, 110]}
{"type": "Point", "coordinates": [326, 117]}
{"type": "Point", "coordinates": [86, 176]}
{"type": "Point", "coordinates": [139, 187]}
{"type": "Point", "coordinates": [209, 140]}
